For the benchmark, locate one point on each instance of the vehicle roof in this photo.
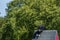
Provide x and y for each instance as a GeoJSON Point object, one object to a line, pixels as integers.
{"type": "Point", "coordinates": [47, 35]}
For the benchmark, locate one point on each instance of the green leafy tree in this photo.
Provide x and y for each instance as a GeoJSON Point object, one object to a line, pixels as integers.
{"type": "Point", "coordinates": [8, 33]}
{"type": "Point", "coordinates": [26, 15]}
{"type": "Point", "coordinates": [2, 23]}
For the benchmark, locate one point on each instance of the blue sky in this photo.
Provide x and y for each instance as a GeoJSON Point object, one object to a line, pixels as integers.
{"type": "Point", "coordinates": [3, 5]}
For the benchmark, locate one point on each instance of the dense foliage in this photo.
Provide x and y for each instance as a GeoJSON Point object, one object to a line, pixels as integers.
{"type": "Point", "coordinates": [24, 16]}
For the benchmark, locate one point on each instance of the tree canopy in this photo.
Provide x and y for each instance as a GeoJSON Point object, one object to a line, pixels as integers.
{"type": "Point", "coordinates": [24, 16]}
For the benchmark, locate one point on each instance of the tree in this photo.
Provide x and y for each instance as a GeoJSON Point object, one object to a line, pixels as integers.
{"type": "Point", "coordinates": [2, 23]}
{"type": "Point", "coordinates": [8, 33]}
{"type": "Point", "coordinates": [26, 15]}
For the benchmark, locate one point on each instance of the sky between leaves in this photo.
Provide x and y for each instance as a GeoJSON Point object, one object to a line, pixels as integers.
{"type": "Point", "coordinates": [3, 5]}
